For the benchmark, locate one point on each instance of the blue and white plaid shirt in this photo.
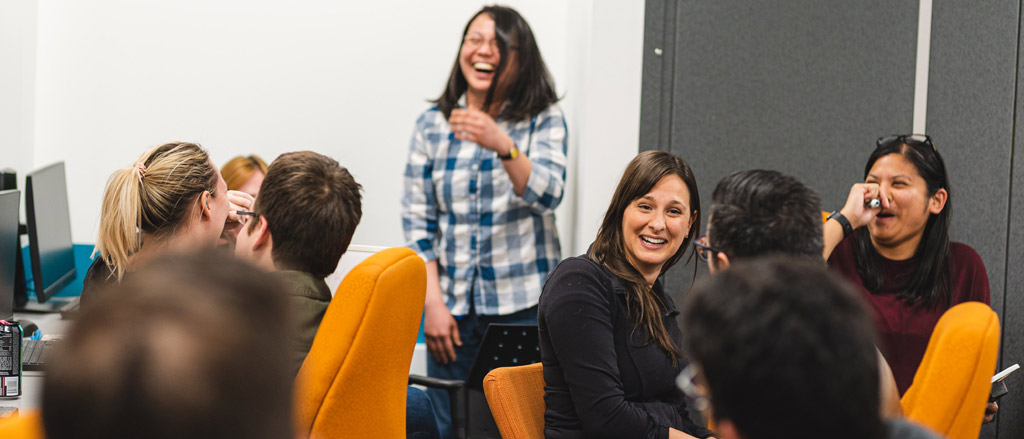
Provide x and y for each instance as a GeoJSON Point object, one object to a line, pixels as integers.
{"type": "Point", "coordinates": [459, 208]}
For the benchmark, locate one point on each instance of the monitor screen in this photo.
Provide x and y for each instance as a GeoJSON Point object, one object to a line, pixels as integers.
{"type": "Point", "coordinates": [9, 204]}
{"type": "Point", "coordinates": [49, 230]}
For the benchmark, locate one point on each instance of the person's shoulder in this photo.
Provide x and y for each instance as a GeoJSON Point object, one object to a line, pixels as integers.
{"type": "Point", "coordinates": [553, 109]}
{"type": "Point", "coordinates": [99, 265]}
{"type": "Point", "coordinates": [304, 285]}
{"type": "Point", "coordinates": [581, 264]}
{"type": "Point", "coordinates": [98, 273]}
{"type": "Point", "coordinates": [576, 280]}
{"type": "Point", "coordinates": [430, 117]}
{"type": "Point", "coordinates": [970, 272]}
{"type": "Point", "coordinates": [965, 259]}
{"type": "Point", "coordinates": [963, 252]}
{"type": "Point", "coordinates": [575, 275]}
{"type": "Point", "coordinates": [901, 429]}
{"type": "Point", "coordinates": [551, 112]}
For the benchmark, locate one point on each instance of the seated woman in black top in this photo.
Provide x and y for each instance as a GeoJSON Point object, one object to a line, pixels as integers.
{"type": "Point", "coordinates": [609, 340]}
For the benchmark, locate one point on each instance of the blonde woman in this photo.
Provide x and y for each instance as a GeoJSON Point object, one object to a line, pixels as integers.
{"type": "Point", "coordinates": [171, 198]}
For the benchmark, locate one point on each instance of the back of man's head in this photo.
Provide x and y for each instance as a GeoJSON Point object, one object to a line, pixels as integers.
{"type": "Point", "coordinates": [759, 212]}
{"type": "Point", "coordinates": [189, 346]}
{"type": "Point", "coordinates": [786, 349]}
{"type": "Point", "coordinates": [312, 205]}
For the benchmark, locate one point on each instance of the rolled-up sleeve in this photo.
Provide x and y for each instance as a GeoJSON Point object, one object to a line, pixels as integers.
{"type": "Point", "coordinates": [547, 151]}
{"type": "Point", "coordinates": [419, 204]}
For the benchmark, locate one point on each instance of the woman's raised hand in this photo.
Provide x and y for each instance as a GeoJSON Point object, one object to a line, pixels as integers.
{"type": "Point", "coordinates": [857, 210]}
{"type": "Point", "coordinates": [473, 125]}
{"type": "Point", "coordinates": [238, 200]}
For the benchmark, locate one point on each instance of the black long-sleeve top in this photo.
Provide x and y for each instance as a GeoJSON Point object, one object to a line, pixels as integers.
{"type": "Point", "coordinates": [603, 378]}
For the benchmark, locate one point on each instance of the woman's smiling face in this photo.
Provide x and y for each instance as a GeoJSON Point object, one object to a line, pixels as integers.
{"type": "Point", "coordinates": [655, 225]}
{"type": "Point", "coordinates": [479, 56]}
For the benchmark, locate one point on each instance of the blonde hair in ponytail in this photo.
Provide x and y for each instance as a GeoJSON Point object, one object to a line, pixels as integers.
{"type": "Point", "coordinates": [155, 196]}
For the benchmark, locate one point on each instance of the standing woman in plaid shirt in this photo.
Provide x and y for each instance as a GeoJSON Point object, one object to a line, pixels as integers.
{"type": "Point", "coordinates": [485, 172]}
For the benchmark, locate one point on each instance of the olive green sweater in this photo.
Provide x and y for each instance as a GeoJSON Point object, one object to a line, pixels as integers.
{"type": "Point", "coordinates": [309, 299]}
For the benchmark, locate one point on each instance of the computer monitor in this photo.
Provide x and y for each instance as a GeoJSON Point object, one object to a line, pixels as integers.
{"type": "Point", "coordinates": [9, 248]}
{"type": "Point", "coordinates": [49, 230]}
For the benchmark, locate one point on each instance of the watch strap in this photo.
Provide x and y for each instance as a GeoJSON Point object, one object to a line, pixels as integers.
{"type": "Point", "coordinates": [841, 219]}
{"type": "Point", "coordinates": [512, 153]}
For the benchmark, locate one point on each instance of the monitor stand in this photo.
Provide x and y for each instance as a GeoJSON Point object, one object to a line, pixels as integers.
{"type": "Point", "coordinates": [20, 283]}
{"type": "Point", "coordinates": [53, 305]}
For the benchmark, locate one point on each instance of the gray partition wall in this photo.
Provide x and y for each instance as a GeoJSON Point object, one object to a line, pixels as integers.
{"type": "Point", "coordinates": [805, 87]}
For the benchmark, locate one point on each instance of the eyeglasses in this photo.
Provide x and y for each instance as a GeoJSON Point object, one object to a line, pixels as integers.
{"type": "Point", "coordinates": [473, 41]}
{"type": "Point", "coordinates": [705, 251]}
{"type": "Point", "coordinates": [243, 216]}
{"type": "Point", "coordinates": [909, 139]}
{"type": "Point", "coordinates": [687, 381]}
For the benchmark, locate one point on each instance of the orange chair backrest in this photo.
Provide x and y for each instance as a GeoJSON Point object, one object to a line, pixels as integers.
{"type": "Point", "coordinates": [28, 425]}
{"type": "Point", "coordinates": [353, 383]}
{"type": "Point", "coordinates": [952, 384]}
{"type": "Point", "coordinates": [516, 398]}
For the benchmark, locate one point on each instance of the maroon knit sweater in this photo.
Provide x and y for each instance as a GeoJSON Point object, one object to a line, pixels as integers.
{"type": "Point", "coordinates": [904, 330]}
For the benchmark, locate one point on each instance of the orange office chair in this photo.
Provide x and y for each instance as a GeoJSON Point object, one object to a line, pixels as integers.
{"type": "Point", "coordinates": [353, 382]}
{"type": "Point", "coordinates": [29, 425]}
{"type": "Point", "coordinates": [516, 397]}
{"type": "Point", "coordinates": [952, 385]}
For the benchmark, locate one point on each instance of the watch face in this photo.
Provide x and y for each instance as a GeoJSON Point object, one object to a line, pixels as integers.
{"type": "Point", "coordinates": [512, 153]}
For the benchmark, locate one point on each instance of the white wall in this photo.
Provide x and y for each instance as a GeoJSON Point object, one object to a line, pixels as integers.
{"type": "Point", "coordinates": [113, 77]}
{"type": "Point", "coordinates": [17, 78]}
{"type": "Point", "coordinates": [606, 69]}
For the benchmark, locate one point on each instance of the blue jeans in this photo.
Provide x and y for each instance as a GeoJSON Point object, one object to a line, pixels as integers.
{"type": "Point", "coordinates": [471, 332]}
{"type": "Point", "coordinates": [420, 422]}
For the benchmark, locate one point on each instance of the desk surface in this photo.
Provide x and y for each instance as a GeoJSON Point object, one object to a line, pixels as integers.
{"type": "Point", "coordinates": [32, 382]}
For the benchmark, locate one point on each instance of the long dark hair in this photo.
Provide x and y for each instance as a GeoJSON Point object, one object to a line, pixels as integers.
{"type": "Point", "coordinates": [532, 89]}
{"type": "Point", "coordinates": [931, 281]}
{"type": "Point", "coordinates": [643, 172]}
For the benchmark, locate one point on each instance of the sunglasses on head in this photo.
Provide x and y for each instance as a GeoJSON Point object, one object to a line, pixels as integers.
{"type": "Point", "coordinates": [909, 139]}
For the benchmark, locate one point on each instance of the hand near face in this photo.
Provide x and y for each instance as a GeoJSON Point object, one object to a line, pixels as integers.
{"type": "Point", "coordinates": [856, 209]}
{"type": "Point", "coordinates": [236, 201]}
{"type": "Point", "coordinates": [472, 125]}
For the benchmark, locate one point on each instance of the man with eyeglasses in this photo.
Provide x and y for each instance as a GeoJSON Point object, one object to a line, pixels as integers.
{"type": "Point", "coordinates": [783, 348]}
{"type": "Point", "coordinates": [758, 212]}
{"type": "Point", "coordinates": [303, 219]}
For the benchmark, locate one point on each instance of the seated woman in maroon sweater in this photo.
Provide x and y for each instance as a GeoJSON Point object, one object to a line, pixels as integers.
{"type": "Point", "coordinates": [609, 340]}
{"type": "Point", "coordinates": [903, 260]}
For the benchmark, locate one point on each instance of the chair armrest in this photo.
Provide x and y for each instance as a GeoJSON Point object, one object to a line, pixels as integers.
{"type": "Point", "coordinates": [436, 383]}
{"type": "Point", "coordinates": [457, 400]}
